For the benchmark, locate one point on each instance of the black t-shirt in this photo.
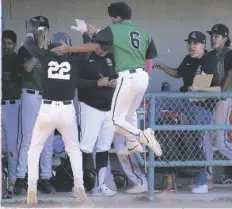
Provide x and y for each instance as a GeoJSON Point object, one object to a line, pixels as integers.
{"type": "Point", "coordinates": [11, 77]}
{"type": "Point", "coordinates": [228, 61]}
{"type": "Point", "coordinates": [190, 67]}
{"type": "Point", "coordinates": [59, 76]}
{"type": "Point", "coordinates": [93, 69]}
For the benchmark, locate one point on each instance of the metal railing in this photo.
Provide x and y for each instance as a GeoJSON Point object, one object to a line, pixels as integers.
{"type": "Point", "coordinates": [187, 125]}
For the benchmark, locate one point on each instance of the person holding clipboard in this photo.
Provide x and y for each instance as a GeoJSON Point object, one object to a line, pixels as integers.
{"type": "Point", "coordinates": [199, 73]}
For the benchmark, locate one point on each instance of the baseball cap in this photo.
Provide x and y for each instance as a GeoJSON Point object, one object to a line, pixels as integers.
{"type": "Point", "coordinates": [219, 29]}
{"type": "Point", "coordinates": [197, 37]}
{"type": "Point", "coordinates": [43, 21]}
{"type": "Point", "coordinates": [10, 34]}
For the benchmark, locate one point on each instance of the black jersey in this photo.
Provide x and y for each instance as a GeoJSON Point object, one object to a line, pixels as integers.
{"type": "Point", "coordinates": [59, 76]}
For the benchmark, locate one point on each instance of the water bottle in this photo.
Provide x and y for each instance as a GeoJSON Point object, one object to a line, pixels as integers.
{"type": "Point", "coordinates": [165, 86]}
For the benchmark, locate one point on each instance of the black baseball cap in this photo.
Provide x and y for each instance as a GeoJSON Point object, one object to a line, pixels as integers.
{"type": "Point", "coordinates": [219, 29]}
{"type": "Point", "coordinates": [43, 21]}
{"type": "Point", "coordinates": [197, 37]}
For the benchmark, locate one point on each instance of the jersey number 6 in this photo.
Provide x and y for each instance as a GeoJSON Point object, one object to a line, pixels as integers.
{"type": "Point", "coordinates": [56, 70]}
{"type": "Point", "coordinates": [134, 37]}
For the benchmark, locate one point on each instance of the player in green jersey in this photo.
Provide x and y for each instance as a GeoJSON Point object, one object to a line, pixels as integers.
{"type": "Point", "coordinates": [131, 47]}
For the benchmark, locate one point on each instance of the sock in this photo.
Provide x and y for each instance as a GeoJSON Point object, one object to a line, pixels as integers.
{"type": "Point", "coordinates": [101, 176]}
{"type": "Point", "coordinates": [101, 165]}
{"type": "Point", "coordinates": [84, 160]}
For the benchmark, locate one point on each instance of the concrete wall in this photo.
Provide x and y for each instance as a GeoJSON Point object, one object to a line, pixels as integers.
{"type": "Point", "coordinates": [168, 21]}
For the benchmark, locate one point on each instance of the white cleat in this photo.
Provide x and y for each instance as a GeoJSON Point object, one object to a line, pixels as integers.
{"type": "Point", "coordinates": [147, 137]}
{"type": "Point", "coordinates": [103, 191]}
{"type": "Point", "coordinates": [138, 189]}
{"type": "Point", "coordinates": [32, 196]}
{"type": "Point", "coordinates": [130, 148]}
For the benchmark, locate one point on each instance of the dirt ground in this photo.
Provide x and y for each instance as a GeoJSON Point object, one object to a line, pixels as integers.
{"type": "Point", "coordinates": [127, 203]}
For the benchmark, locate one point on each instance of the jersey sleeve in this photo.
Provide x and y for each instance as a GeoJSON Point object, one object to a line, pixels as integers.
{"type": "Point", "coordinates": [228, 61]}
{"type": "Point", "coordinates": [151, 51]}
{"type": "Point", "coordinates": [104, 37]}
{"type": "Point", "coordinates": [33, 49]}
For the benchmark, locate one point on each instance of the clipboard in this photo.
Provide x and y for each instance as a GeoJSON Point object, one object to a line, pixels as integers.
{"type": "Point", "coordinates": [202, 81]}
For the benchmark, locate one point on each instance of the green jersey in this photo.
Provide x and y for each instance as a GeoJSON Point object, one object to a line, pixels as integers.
{"type": "Point", "coordinates": [11, 77]}
{"type": "Point", "coordinates": [131, 45]}
{"type": "Point", "coordinates": [33, 79]}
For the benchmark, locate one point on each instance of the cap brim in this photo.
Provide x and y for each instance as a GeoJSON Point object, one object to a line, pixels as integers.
{"type": "Point", "coordinates": [209, 32]}
{"type": "Point", "coordinates": [188, 40]}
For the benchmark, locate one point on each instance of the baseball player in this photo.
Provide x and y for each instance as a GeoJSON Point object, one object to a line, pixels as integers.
{"type": "Point", "coordinates": [57, 111]}
{"type": "Point", "coordinates": [31, 102]}
{"type": "Point", "coordinates": [131, 47]}
{"type": "Point", "coordinates": [131, 167]}
{"type": "Point", "coordinates": [220, 43]}
{"type": "Point", "coordinates": [11, 93]}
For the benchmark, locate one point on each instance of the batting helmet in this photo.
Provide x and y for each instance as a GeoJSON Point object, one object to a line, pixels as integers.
{"type": "Point", "coordinates": [89, 178]}
{"type": "Point", "coordinates": [56, 38]}
{"type": "Point", "coordinates": [120, 180]}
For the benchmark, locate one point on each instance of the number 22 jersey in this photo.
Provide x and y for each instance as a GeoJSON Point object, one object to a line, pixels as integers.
{"type": "Point", "coordinates": [60, 73]}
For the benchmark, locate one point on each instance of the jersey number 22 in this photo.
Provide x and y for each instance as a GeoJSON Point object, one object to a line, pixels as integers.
{"type": "Point", "coordinates": [56, 70]}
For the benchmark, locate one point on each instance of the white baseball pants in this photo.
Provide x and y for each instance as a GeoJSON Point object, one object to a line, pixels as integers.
{"type": "Point", "coordinates": [129, 163]}
{"type": "Point", "coordinates": [62, 117]}
{"type": "Point", "coordinates": [10, 134]}
{"type": "Point", "coordinates": [30, 106]}
{"type": "Point", "coordinates": [129, 92]}
{"type": "Point", "coordinates": [222, 140]}
{"type": "Point", "coordinates": [96, 129]}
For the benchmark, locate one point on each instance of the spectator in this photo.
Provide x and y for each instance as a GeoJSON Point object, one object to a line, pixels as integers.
{"type": "Point", "coordinates": [31, 102]}
{"type": "Point", "coordinates": [11, 93]}
{"type": "Point", "coordinates": [220, 43]}
{"type": "Point", "coordinates": [199, 61]}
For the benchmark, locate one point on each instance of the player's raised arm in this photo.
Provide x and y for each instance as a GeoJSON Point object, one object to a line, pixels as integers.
{"type": "Point", "coordinates": [103, 38]}
{"type": "Point", "coordinates": [29, 42]}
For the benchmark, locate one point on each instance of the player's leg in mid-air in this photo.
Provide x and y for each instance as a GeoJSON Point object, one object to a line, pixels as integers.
{"type": "Point", "coordinates": [130, 89]}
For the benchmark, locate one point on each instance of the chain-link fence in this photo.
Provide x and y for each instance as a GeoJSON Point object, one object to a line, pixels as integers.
{"type": "Point", "coordinates": [194, 130]}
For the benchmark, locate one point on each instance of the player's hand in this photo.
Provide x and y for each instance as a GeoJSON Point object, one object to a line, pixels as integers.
{"type": "Point", "coordinates": [103, 81]}
{"type": "Point", "coordinates": [91, 30]}
{"type": "Point", "coordinates": [32, 26]}
{"type": "Point", "coordinates": [113, 83]}
{"type": "Point", "coordinates": [40, 39]}
{"type": "Point", "coordinates": [46, 39]}
{"type": "Point", "coordinates": [64, 48]}
{"type": "Point", "coordinates": [158, 65]}
{"type": "Point", "coordinates": [81, 26]}
{"type": "Point", "coordinates": [194, 89]}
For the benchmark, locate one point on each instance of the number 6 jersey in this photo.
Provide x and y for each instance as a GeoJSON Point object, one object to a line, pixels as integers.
{"type": "Point", "coordinates": [131, 45]}
{"type": "Point", "coordinates": [59, 77]}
